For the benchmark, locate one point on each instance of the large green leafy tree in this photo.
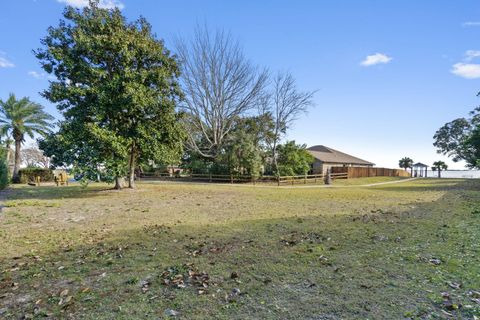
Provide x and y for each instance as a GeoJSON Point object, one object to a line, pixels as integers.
{"type": "Point", "coordinates": [246, 149]}
{"type": "Point", "coordinates": [293, 159]}
{"type": "Point", "coordinates": [460, 139]}
{"type": "Point", "coordinates": [117, 90]}
{"type": "Point", "coordinates": [20, 118]}
{"type": "Point", "coordinates": [473, 140]}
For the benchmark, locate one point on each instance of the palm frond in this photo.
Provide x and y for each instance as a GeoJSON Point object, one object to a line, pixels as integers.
{"type": "Point", "coordinates": [23, 117]}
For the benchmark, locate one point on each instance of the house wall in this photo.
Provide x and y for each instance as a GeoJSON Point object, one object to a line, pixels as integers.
{"type": "Point", "coordinates": [319, 167]}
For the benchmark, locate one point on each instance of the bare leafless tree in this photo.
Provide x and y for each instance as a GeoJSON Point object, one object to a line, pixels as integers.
{"type": "Point", "coordinates": [220, 84]}
{"type": "Point", "coordinates": [32, 156]}
{"type": "Point", "coordinates": [285, 103]}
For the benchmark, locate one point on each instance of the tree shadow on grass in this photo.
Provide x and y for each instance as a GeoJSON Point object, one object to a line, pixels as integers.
{"type": "Point", "coordinates": [75, 191]}
{"type": "Point", "coordinates": [376, 265]}
{"type": "Point", "coordinates": [421, 185]}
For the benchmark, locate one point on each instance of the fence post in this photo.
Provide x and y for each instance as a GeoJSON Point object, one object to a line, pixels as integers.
{"type": "Point", "coordinates": [328, 177]}
{"type": "Point", "coordinates": [278, 180]}
{"type": "Point", "coordinates": [210, 177]}
{"type": "Point", "coordinates": [305, 179]}
{"type": "Point", "coordinates": [231, 178]}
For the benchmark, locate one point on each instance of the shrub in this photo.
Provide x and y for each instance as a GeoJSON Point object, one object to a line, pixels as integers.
{"type": "Point", "coordinates": [3, 173]}
{"type": "Point", "coordinates": [293, 159]}
{"type": "Point", "coordinates": [29, 174]}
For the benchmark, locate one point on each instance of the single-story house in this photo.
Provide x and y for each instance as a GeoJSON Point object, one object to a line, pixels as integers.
{"type": "Point", "coordinates": [326, 157]}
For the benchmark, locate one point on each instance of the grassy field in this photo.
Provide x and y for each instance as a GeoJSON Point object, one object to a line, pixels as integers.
{"type": "Point", "coordinates": [408, 250]}
{"type": "Point", "coordinates": [366, 181]}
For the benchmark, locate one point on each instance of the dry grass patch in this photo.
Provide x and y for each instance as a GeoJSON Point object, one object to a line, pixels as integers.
{"type": "Point", "coordinates": [407, 250]}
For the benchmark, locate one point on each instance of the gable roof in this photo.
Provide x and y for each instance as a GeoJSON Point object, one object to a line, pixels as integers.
{"type": "Point", "coordinates": [329, 155]}
{"type": "Point", "coordinates": [420, 165]}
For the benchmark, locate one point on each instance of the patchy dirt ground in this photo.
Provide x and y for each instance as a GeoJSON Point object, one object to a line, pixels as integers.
{"type": "Point", "coordinates": [406, 250]}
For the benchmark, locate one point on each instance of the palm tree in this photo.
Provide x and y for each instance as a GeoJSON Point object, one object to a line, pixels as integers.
{"type": "Point", "coordinates": [19, 118]}
{"type": "Point", "coordinates": [405, 163]}
{"type": "Point", "coordinates": [439, 166]}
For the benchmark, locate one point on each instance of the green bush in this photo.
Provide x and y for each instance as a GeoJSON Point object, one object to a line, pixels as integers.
{"type": "Point", "coordinates": [4, 180]}
{"type": "Point", "coordinates": [293, 159]}
{"type": "Point", "coordinates": [29, 174]}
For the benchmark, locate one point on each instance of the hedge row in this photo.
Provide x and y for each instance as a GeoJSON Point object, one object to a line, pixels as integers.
{"type": "Point", "coordinates": [29, 174]}
{"type": "Point", "coordinates": [4, 178]}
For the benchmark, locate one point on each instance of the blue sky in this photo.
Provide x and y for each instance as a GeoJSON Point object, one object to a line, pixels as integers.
{"type": "Point", "coordinates": [388, 73]}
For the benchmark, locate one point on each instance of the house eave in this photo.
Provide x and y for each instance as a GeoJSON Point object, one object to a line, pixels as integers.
{"type": "Point", "coordinates": [346, 163]}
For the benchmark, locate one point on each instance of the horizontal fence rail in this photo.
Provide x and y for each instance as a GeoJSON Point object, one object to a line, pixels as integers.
{"type": "Point", "coordinates": [281, 180]}
{"type": "Point", "coordinates": [147, 175]}
{"type": "Point", "coordinates": [336, 173]}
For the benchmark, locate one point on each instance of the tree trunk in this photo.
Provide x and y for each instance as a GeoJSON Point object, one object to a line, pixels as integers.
{"type": "Point", "coordinates": [275, 162]}
{"type": "Point", "coordinates": [439, 174]}
{"type": "Point", "coordinates": [8, 152]}
{"type": "Point", "coordinates": [131, 169]}
{"type": "Point", "coordinates": [16, 167]}
{"type": "Point", "coordinates": [118, 183]}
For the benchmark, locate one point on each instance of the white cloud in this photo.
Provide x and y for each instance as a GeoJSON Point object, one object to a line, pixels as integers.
{"type": "Point", "coordinates": [34, 74]}
{"type": "Point", "coordinates": [106, 4]}
{"type": "Point", "coordinates": [376, 58]}
{"type": "Point", "coordinates": [471, 54]}
{"type": "Point", "coordinates": [466, 70]}
{"type": "Point", "coordinates": [471, 24]}
{"type": "Point", "coordinates": [42, 75]}
{"type": "Point", "coordinates": [4, 62]}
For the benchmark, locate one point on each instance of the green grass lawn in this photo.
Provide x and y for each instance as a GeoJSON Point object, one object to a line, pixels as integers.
{"type": "Point", "coordinates": [366, 181]}
{"type": "Point", "coordinates": [394, 251]}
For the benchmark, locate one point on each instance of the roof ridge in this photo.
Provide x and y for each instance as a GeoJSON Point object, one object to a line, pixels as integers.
{"type": "Point", "coordinates": [332, 150]}
{"type": "Point", "coordinates": [327, 154]}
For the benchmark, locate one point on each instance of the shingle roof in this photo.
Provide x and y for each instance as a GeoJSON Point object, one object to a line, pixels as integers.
{"type": "Point", "coordinates": [329, 155]}
{"type": "Point", "coordinates": [421, 165]}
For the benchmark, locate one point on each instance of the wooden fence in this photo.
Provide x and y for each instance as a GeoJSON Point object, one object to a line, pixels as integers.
{"type": "Point", "coordinates": [155, 175]}
{"type": "Point", "coordinates": [363, 172]}
{"type": "Point", "coordinates": [313, 178]}
{"type": "Point", "coordinates": [222, 178]}
{"type": "Point", "coordinates": [282, 180]}
{"type": "Point", "coordinates": [336, 173]}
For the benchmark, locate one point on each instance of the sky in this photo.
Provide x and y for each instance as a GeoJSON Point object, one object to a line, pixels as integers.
{"type": "Point", "coordinates": [388, 73]}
